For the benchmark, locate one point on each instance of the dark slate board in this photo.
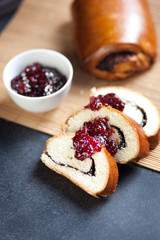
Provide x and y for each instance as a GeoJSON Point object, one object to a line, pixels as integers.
{"type": "Point", "coordinates": [37, 203]}
{"type": "Point", "coordinates": [7, 10]}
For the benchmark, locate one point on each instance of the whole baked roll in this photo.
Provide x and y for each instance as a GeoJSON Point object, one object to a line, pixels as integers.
{"type": "Point", "coordinates": [114, 39]}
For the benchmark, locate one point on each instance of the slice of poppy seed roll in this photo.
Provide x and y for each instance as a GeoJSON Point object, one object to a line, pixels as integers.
{"type": "Point", "coordinates": [128, 134]}
{"type": "Point", "coordinates": [97, 175]}
{"type": "Point", "coordinates": [138, 107]}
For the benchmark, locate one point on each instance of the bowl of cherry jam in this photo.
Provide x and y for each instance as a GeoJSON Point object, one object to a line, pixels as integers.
{"type": "Point", "coordinates": [38, 80]}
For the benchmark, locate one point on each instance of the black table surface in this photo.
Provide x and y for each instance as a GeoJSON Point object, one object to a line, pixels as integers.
{"type": "Point", "coordinates": [36, 203]}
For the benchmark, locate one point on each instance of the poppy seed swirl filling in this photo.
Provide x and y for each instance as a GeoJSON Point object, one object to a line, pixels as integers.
{"type": "Point", "coordinates": [122, 142]}
{"type": "Point", "coordinates": [90, 172]}
{"type": "Point", "coordinates": [125, 62]}
{"type": "Point", "coordinates": [109, 62]}
{"type": "Point", "coordinates": [142, 112]}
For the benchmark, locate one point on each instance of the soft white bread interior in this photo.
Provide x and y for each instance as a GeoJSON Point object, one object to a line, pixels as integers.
{"type": "Point", "coordinates": [97, 175]}
{"type": "Point", "coordinates": [137, 107]}
{"type": "Point", "coordinates": [137, 145]}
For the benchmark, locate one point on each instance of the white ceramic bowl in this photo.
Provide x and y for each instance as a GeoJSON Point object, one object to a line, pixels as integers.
{"type": "Point", "coordinates": [47, 58]}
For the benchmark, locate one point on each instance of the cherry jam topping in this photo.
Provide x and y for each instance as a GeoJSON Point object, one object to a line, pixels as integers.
{"type": "Point", "coordinates": [85, 145]}
{"type": "Point", "coordinates": [37, 80]}
{"type": "Point", "coordinates": [99, 126]}
{"type": "Point", "coordinates": [101, 131]}
{"type": "Point", "coordinates": [91, 138]}
{"type": "Point", "coordinates": [110, 99]}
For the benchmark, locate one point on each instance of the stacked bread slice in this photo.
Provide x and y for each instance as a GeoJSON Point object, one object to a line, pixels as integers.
{"type": "Point", "coordinates": [136, 143]}
{"type": "Point", "coordinates": [139, 108]}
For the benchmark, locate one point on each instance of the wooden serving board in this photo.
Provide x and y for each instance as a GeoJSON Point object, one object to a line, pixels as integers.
{"type": "Point", "coordinates": [48, 24]}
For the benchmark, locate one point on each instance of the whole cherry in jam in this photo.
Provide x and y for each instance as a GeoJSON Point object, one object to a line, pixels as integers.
{"type": "Point", "coordinates": [110, 99]}
{"type": "Point", "coordinates": [37, 80]}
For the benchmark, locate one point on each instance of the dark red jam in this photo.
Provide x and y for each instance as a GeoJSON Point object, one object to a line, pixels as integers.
{"type": "Point", "coordinates": [85, 145]}
{"type": "Point", "coordinates": [93, 135]}
{"type": "Point", "coordinates": [99, 126]}
{"type": "Point", "coordinates": [110, 99]}
{"type": "Point", "coordinates": [37, 80]}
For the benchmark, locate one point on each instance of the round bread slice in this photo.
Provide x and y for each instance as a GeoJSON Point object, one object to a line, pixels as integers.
{"type": "Point", "coordinates": [136, 142]}
{"type": "Point", "coordinates": [138, 107]}
{"type": "Point", "coordinates": [97, 175]}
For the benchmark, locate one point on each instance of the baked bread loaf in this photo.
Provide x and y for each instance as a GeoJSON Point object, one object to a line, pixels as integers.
{"type": "Point", "coordinates": [114, 39]}
{"type": "Point", "coordinates": [97, 175]}
{"type": "Point", "coordinates": [138, 107]}
{"type": "Point", "coordinates": [132, 140]}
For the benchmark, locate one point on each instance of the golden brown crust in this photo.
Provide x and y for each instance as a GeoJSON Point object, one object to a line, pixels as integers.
{"type": "Point", "coordinates": [143, 140]}
{"type": "Point", "coordinates": [154, 140]}
{"type": "Point", "coordinates": [103, 28]}
{"type": "Point", "coordinates": [113, 176]}
{"type": "Point", "coordinates": [112, 179]}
